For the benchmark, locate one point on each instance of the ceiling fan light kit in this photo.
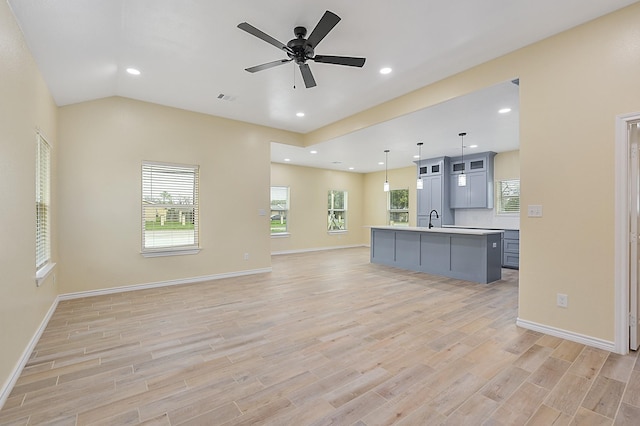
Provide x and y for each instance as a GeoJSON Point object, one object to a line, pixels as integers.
{"type": "Point", "coordinates": [300, 50]}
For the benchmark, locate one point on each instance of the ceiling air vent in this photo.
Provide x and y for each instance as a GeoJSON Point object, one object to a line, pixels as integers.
{"type": "Point", "coordinates": [224, 97]}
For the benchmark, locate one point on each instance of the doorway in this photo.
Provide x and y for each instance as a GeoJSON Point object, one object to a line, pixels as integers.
{"type": "Point", "coordinates": [627, 212]}
{"type": "Point", "coordinates": [634, 219]}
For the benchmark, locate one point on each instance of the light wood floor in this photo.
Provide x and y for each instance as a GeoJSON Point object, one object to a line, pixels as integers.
{"type": "Point", "coordinates": [326, 338]}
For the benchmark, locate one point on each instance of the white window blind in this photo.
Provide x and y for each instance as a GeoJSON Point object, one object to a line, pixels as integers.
{"type": "Point", "coordinates": [43, 194]}
{"type": "Point", "coordinates": [169, 207]}
{"type": "Point", "coordinates": [509, 196]}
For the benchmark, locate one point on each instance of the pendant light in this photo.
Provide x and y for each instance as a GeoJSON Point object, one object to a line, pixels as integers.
{"type": "Point", "coordinates": [462, 178]}
{"type": "Point", "coordinates": [386, 181]}
{"type": "Point", "coordinates": [419, 183]}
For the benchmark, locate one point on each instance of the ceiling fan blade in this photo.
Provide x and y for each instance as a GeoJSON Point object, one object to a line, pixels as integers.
{"type": "Point", "coordinates": [263, 36]}
{"type": "Point", "coordinates": [326, 24]}
{"type": "Point", "coordinates": [268, 65]}
{"type": "Point", "coordinates": [307, 76]}
{"type": "Point", "coordinates": [340, 60]}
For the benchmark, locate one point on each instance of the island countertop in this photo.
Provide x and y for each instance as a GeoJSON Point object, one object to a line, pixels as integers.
{"type": "Point", "coordinates": [462, 231]}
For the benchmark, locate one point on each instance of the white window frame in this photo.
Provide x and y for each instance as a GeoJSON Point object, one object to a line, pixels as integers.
{"type": "Point", "coordinates": [43, 262]}
{"type": "Point", "coordinates": [390, 210]}
{"type": "Point", "coordinates": [282, 210]}
{"type": "Point", "coordinates": [332, 211]}
{"type": "Point", "coordinates": [507, 189]}
{"type": "Point", "coordinates": [157, 181]}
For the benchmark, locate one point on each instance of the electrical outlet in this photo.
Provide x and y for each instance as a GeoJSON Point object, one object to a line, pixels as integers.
{"type": "Point", "coordinates": [562, 300]}
{"type": "Point", "coordinates": [246, 256]}
{"type": "Point", "coordinates": [534, 210]}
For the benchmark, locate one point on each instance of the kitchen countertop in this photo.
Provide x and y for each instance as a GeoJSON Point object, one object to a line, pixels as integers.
{"type": "Point", "coordinates": [479, 227]}
{"type": "Point", "coordinates": [447, 230]}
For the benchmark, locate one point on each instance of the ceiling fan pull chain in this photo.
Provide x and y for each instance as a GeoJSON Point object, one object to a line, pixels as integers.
{"type": "Point", "coordinates": [294, 77]}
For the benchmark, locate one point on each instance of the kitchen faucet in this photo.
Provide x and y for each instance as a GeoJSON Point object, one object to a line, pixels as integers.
{"type": "Point", "coordinates": [437, 217]}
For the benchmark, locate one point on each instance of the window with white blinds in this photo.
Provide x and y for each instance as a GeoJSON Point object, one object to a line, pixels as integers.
{"type": "Point", "coordinates": [43, 201]}
{"type": "Point", "coordinates": [509, 196]}
{"type": "Point", "coordinates": [169, 208]}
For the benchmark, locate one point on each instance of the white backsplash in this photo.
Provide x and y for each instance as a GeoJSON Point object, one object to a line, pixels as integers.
{"type": "Point", "coordinates": [486, 218]}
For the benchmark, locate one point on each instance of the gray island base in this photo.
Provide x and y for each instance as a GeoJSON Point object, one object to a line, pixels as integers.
{"type": "Point", "coordinates": [465, 254]}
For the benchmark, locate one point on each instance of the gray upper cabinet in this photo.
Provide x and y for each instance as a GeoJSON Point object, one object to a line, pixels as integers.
{"type": "Point", "coordinates": [435, 192]}
{"type": "Point", "coordinates": [478, 191]}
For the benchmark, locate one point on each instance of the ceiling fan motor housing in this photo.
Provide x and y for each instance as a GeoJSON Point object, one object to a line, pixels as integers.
{"type": "Point", "coordinates": [301, 50]}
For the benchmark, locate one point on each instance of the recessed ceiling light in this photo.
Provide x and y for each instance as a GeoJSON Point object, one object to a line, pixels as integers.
{"type": "Point", "coordinates": [473, 146]}
{"type": "Point", "coordinates": [381, 163]}
{"type": "Point", "coordinates": [313, 152]}
{"type": "Point", "coordinates": [385, 70]}
{"type": "Point", "coordinates": [287, 159]}
{"type": "Point", "coordinates": [504, 110]}
{"type": "Point", "coordinates": [416, 156]}
{"type": "Point", "coordinates": [133, 71]}
{"type": "Point", "coordinates": [299, 114]}
{"type": "Point", "coordinates": [351, 168]}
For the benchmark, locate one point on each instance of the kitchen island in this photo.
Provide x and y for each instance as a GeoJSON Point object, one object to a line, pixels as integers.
{"type": "Point", "coordinates": [466, 254]}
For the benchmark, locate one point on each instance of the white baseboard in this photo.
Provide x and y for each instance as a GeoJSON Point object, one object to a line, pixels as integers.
{"type": "Point", "coordinates": [8, 385]}
{"type": "Point", "coordinates": [276, 253]}
{"type": "Point", "coordinates": [190, 280]}
{"type": "Point", "coordinates": [568, 335]}
{"type": "Point", "coordinates": [13, 378]}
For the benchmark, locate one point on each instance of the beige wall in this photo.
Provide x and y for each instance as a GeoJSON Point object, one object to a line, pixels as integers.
{"type": "Point", "coordinates": [572, 86]}
{"type": "Point", "coordinates": [25, 104]}
{"type": "Point", "coordinates": [307, 220]}
{"type": "Point", "coordinates": [103, 144]}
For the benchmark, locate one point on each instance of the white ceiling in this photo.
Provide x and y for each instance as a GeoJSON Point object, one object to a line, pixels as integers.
{"type": "Point", "coordinates": [191, 51]}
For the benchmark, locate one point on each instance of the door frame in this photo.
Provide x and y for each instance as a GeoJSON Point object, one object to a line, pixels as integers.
{"type": "Point", "coordinates": [621, 246]}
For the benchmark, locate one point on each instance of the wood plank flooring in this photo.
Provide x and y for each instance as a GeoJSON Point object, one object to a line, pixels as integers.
{"type": "Point", "coordinates": [325, 339]}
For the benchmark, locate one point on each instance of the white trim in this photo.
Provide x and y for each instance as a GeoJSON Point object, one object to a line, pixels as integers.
{"type": "Point", "coordinates": [276, 253]}
{"type": "Point", "coordinates": [43, 273]}
{"type": "Point", "coordinates": [134, 287]}
{"type": "Point", "coordinates": [567, 335]}
{"type": "Point", "coordinates": [8, 385]}
{"type": "Point", "coordinates": [281, 235]}
{"type": "Point", "coordinates": [621, 229]}
{"type": "Point", "coordinates": [172, 252]}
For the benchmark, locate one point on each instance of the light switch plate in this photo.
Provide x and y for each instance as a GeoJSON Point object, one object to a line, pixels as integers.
{"type": "Point", "coordinates": [534, 210]}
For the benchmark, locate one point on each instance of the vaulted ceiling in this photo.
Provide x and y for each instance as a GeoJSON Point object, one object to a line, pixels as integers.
{"type": "Point", "coordinates": [192, 55]}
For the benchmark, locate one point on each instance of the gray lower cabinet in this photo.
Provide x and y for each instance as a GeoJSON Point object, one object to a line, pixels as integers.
{"type": "Point", "coordinates": [511, 249]}
{"type": "Point", "coordinates": [466, 256]}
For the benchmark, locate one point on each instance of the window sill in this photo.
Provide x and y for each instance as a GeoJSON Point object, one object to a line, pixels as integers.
{"type": "Point", "coordinates": [162, 253]}
{"type": "Point", "coordinates": [342, 231]}
{"type": "Point", "coordinates": [43, 273]}
{"type": "Point", "coordinates": [281, 235]}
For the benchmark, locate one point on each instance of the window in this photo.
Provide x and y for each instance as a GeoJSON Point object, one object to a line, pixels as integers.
{"type": "Point", "coordinates": [279, 209]}
{"type": "Point", "coordinates": [398, 207]}
{"type": "Point", "coordinates": [169, 209]}
{"type": "Point", "coordinates": [43, 219]}
{"type": "Point", "coordinates": [337, 210]}
{"type": "Point", "coordinates": [509, 196]}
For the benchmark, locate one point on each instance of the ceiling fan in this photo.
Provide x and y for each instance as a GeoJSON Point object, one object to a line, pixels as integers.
{"type": "Point", "coordinates": [300, 49]}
